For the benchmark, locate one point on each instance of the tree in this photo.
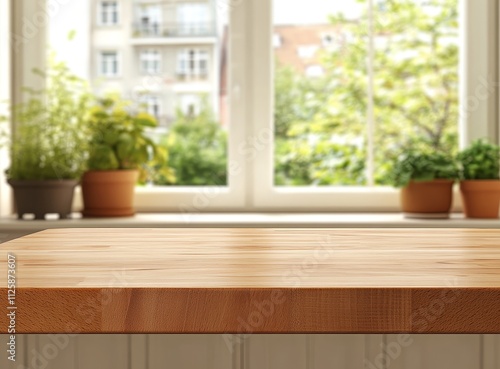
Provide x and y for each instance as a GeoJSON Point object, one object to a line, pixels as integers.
{"type": "Point", "coordinates": [321, 125]}
{"type": "Point", "coordinates": [197, 149]}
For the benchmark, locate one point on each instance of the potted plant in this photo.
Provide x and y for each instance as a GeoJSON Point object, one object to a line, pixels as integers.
{"type": "Point", "coordinates": [426, 181]}
{"type": "Point", "coordinates": [480, 185]}
{"type": "Point", "coordinates": [119, 151]}
{"type": "Point", "coordinates": [47, 146]}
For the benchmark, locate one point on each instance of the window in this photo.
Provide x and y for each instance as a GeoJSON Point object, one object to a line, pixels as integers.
{"type": "Point", "coordinates": [190, 104]}
{"type": "Point", "coordinates": [152, 105]}
{"type": "Point", "coordinates": [307, 52]}
{"type": "Point", "coordinates": [345, 125]}
{"type": "Point", "coordinates": [332, 136]}
{"type": "Point", "coordinates": [109, 66]}
{"type": "Point", "coordinates": [330, 156]}
{"type": "Point", "coordinates": [315, 71]}
{"type": "Point", "coordinates": [193, 19]}
{"type": "Point", "coordinates": [108, 13]}
{"type": "Point", "coordinates": [150, 20]}
{"type": "Point", "coordinates": [5, 77]}
{"type": "Point", "coordinates": [276, 40]}
{"type": "Point", "coordinates": [369, 100]}
{"type": "Point", "coordinates": [327, 39]}
{"type": "Point", "coordinates": [192, 64]}
{"type": "Point", "coordinates": [150, 62]}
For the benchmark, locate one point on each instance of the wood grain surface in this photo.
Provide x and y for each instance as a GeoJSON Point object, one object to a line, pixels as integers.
{"type": "Point", "coordinates": [255, 281]}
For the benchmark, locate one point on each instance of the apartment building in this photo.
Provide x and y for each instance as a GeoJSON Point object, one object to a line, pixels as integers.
{"type": "Point", "coordinates": [164, 53]}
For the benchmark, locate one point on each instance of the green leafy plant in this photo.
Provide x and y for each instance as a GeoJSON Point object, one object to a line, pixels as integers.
{"type": "Point", "coordinates": [481, 160]}
{"type": "Point", "coordinates": [49, 141]}
{"type": "Point", "coordinates": [417, 166]}
{"type": "Point", "coordinates": [120, 141]}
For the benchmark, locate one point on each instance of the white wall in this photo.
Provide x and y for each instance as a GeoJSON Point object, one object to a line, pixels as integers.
{"type": "Point", "coordinates": [5, 72]}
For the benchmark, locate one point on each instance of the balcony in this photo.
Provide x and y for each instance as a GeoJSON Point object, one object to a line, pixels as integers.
{"type": "Point", "coordinates": [173, 30]}
{"type": "Point", "coordinates": [201, 75]}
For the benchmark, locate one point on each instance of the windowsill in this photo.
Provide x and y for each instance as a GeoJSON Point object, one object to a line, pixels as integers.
{"type": "Point", "coordinates": [264, 220]}
{"type": "Point", "coordinates": [108, 26]}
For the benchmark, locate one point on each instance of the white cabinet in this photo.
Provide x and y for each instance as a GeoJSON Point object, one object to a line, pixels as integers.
{"type": "Point", "coordinates": [255, 352]}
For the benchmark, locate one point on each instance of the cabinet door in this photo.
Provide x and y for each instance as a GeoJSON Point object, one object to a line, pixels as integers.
{"type": "Point", "coordinates": [491, 351]}
{"type": "Point", "coordinates": [344, 351]}
{"type": "Point", "coordinates": [276, 351]}
{"type": "Point", "coordinates": [433, 352]}
{"type": "Point", "coordinates": [188, 351]}
{"type": "Point", "coordinates": [310, 351]}
{"type": "Point", "coordinates": [102, 351]}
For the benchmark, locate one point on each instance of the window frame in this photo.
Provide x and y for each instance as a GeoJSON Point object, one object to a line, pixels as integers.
{"type": "Point", "coordinates": [152, 101]}
{"type": "Point", "coordinates": [476, 60]}
{"type": "Point", "coordinates": [100, 63]}
{"type": "Point", "coordinates": [151, 57]}
{"type": "Point", "coordinates": [101, 11]}
{"type": "Point", "coordinates": [250, 170]}
{"type": "Point", "coordinates": [195, 56]}
{"type": "Point", "coordinates": [6, 201]}
{"type": "Point", "coordinates": [155, 20]}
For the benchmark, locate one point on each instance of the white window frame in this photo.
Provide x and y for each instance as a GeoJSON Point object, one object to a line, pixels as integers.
{"type": "Point", "coordinates": [101, 10]}
{"type": "Point", "coordinates": [5, 90]}
{"type": "Point", "coordinates": [250, 147]}
{"type": "Point", "coordinates": [100, 61]}
{"type": "Point", "coordinates": [233, 197]}
{"type": "Point", "coordinates": [184, 61]}
{"type": "Point", "coordinates": [150, 101]}
{"type": "Point", "coordinates": [478, 21]}
{"type": "Point", "coordinates": [150, 61]}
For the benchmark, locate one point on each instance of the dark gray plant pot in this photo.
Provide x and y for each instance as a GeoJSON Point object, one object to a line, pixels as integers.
{"type": "Point", "coordinates": [43, 197]}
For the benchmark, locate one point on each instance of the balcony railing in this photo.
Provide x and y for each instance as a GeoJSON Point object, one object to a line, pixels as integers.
{"type": "Point", "coordinates": [192, 76]}
{"type": "Point", "coordinates": [173, 30]}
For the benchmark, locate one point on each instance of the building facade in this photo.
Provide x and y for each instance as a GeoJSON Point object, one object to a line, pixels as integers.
{"type": "Point", "coordinates": [163, 53]}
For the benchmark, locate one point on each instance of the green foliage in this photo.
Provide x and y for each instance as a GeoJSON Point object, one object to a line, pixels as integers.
{"type": "Point", "coordinates": [119, 139]}
{"type": "Point", "coordinates": [416, 95]}
{"type": "Point", "coordinates": [49, 141]}
{"type": "Point", "coordinates": [481, 160]}
{"type": "Point", "coordinates": [197, 147]}
{"type": "Point", "coordinates": [302, 163]}
{"type": "Point", "coordinates": [297, 101]}
{"type": "Point", "coordinates": [418, 166]}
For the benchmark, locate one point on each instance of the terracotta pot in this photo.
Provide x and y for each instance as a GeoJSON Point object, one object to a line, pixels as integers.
{"type": "Point", "coordinates": [481, 198]}
{"type": "Point", "coordinates": [43, 197]}
{"type": "Point", "coordinates": [427, 199]}
{"type": "Point", "coordinates": [109, 193]}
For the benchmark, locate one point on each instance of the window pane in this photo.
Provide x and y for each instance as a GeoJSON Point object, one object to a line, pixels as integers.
{"type": "Point", "coordinates": [416, 78]}
{"type": "Point", "coordinates": [191, 112]}
{"type": "Point", "coordinates": [332, 87]}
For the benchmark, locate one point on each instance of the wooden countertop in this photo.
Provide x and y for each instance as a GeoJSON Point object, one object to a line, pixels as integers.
{"type": "Point", "coordinates": [255, 281]}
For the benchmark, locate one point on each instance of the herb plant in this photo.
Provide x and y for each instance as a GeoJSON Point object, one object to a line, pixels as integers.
{"type": "Point", "coordinates": [49, 140]}
{"type": "Point", "coordinates": [415, 166]}
{"type": "Point", "coordinates": [481, 160]}
{"type": "Point", "coordinates": [119, 138]}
